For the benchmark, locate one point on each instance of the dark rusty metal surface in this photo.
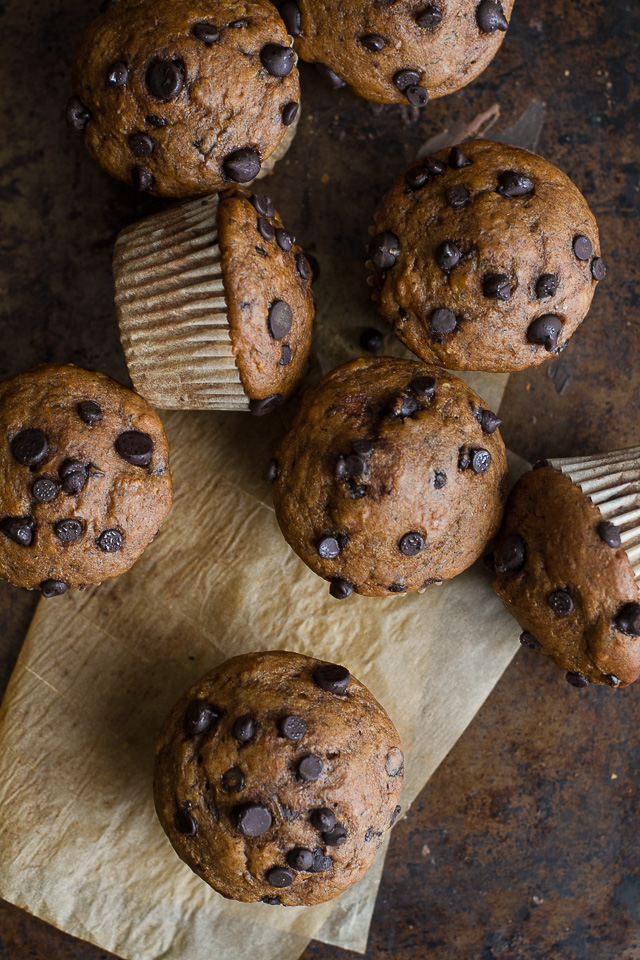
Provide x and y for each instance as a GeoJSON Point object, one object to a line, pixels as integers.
{"type": "Point", "coordinates": [524, 843]}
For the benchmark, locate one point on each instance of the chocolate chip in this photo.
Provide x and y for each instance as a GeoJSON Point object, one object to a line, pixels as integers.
{"type": "Point", "coordinates": [89, 411]}
{"type": "Point", "coordinates": [406, 78]}
{"type": "Point", "coordinates": [300, 859]}
{"type": "Point", "coordinates": [363, 448]}
{"type": "Point", "coordinates": [329, 76]}
{"type": "Point", "coordinates": [285, 359]}
{"type": "Point", "coordinates": [68, 530]}
{"type": "Point", "coordinates": [416, 177]}
{"type": "Point", "coordinates": [411, 544]}
{"type": "Point", "coordinates": [110, 541]}
{"type": "Point", "coordinates": [528, 640]}
{"type": "Point", "coordinates": [280, 319]}
{"type": "Point", "coordinates": [272, 901]}
{"type": "Point", "coordinates": [262, 204]}
{"type": "Point", "coordinates": [266, 405]}
{"type": "Point", "coordinates": [598, 269]}
{"type": "Point", "coordinates": [320, 861]}
{"type": "Point", "coordinates": [165, 78]}
{"type": "Point", "coordinates": [458, 159]}
{"type": "Point", "coordinates": [284, 239]}
{"type": "Point", "coordinates": [142, 179]}
{"type": "Point", "coordinates": [582, 247]}
{"type": "Point", "coordinates": [335, 837]}
{"type": "Point", "coordinates": [323, 819]}
{"type": "Point", "coordinates": [328, 548]}
{"type": "Point", "coordinates": [135, 447]}
{"type": "Point", "coordinates": [242, 165]}
{"type": "Point", "coordinates": [293, 727]}
{"type": "Point", "coordinates": [280, 877]}
{"type": "Point", "coordinates": [302, 265]}
{"type": "Point", "coordinates": [155, 121]}
{"type": "Point", "coordinates": [434, 166]}
{"type": "Point", "coordinates": [612, 680]}
{"type": "Point", "coordinates": [186, 823]}
{"type": "Point", "coordinates": [448, 255]}
{"type": "Point", "coordinates": [497, 286]}
{"type": "Point", "coordinates": [456, 196]}
{"type": "Point", "coordinates": [514, 184]}
{"type": "Point", "coordinates": [310, 768]}
{"type": "Point", "coordinates": [233, 780]}
{"type": "Point", "coordinates": [628, 619]}
{"type": "Point", "coordinates": [417, 95]}
{"type": "Point", "coordinates": [141, 144]}
{"type": "Point", "coordinates": [490, 16]}
{"type": "Point", "coordinates": [18, 529]}
{"type": "Point", "coordinates": [332, 677]}
{"type": "Point", "coordinates": [74, 476]}
{"type": "Point", "coordinates": [30, 447]}
{"type": "Point", "coordinates": [357, 489]}
{"type": "Point", "coordinates": [394, 816]}
{"type": "Point", "coordinates": [443, 321]}
{"type": "Point", "coordinates": [78, 115]}
{"type": "Point", "coordinates": [45, 490]}
{"type": "Point", "coordinates": [384, 249]}
{"type": "Point", "coordinates": [546, 286]}
{"type": "Point", "coordinates": [439, 479]}
{"type": "Point", "coordinates": [355, 465]}
{"type": "Point", "coordinates": [373, 42]}
{"type": "Point", "coordinates": [277, 60]}
{"type": "Point", "coordinates": [205, 32]}
{"type": "Point", "coordinates": [489, 422]}
{"type": "Point", "coordinates": [53, 588]}
{"type": "Point", "coordinates": [265, 229]}
{"type": "Point", "coordinates": [609, 533]}
{"type": "Point", "coordinates": [290, 112]}
{"type": "Point", "coordinates": [252, 819]}
{"type": "Point", "coordinates": [199, 716]}
{"type": "Point", "coordinates": [561, 602]}
{"type": "Point", "coordinates": [509, 554]}
{"type": "Point", "coordinates": [394, 763]}
{"type": "Point", "coordinates": [430, 17]}
{"type": "Point", "coordinates": [118, 74]}
{"type": "Point", "coordinates": [340, 469]}
{"type": "Point", "coordinates": [577, 680]}
{"type": "Point", "coordinates": [544, 331]}
{"type": "Point", "coordinates": [290, 13]}
{"type": "Point", "coordinates": [244, 729]}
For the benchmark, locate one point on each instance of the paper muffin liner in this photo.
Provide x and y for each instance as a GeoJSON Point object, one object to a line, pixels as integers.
{"type": "Point", "coordinates": [172, 310]}
{"type": "Point", "coordinates": [612, 483]}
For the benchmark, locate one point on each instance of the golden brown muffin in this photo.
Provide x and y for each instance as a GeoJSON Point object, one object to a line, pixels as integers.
{"type": "Point", "coordinates": [238, 338]}
{"type": "Point", "coordinates": [180, 99]}
{"type": "Point", "coordinates": [276, 778]}
{"type": "Point", "coordinates": [486, 257]}
{"type": "Point", "coordinates": [85, 479]}
{"type": "Point", "coordinates": [393, 476]}
{"type": "Point", "coordinates": [562, 573]}
{"type": "Point", "coordinates": [399, 51]}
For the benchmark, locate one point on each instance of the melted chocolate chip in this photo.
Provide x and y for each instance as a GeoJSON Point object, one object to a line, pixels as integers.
{"type": "Point", "coordinates": [290, 112]}
{"type": "Point", "coordinates": [546, 286]}
{"type": "Point", "coordinates": [277, 60]}
{"type": "Point", "coordinates": [320, 861]}
{"type": "Point", "coordinates": [528, 640]}
{"type": "Point", "coordinates": [406, 78]}
{"type": "Point", "coordinates": [544, 331]}
{"type": "Point", "coordinates": [430, 17]}
{"type": "Point", "coordinates": [424, 386]}
{"type": "Point", "coordinates": [332, 677]}
{"type": "Point", "coordinates": [328, 548]}
{"type": "Point", "coordinates": [68, 530]}
{"type": "Point", "coordinates": [458, 159]}
{"type": "Point", "coordinates": [598, 269]}
{"type": "Point", "coordinates": [290, 13]}
{"type": "Point", "coordinates": [341, 589]}
{"type": "Point", "coordinates": [90, 412]}
{"type": "Point", "coordinates": [53, 588]}
{"type": "Point", "coordinates": [577, 680]}
{"type": "Point", "coordinates": [284, 239]}
{"type": "Point", "coordinates": [509, 554]}
{"type": "Point", "coordinates": [165, 78]}
{"type": "Point", "coordinates": [242, 165]}
{"type": "Point", "coordinates": [135, 447]}
{"type": "Point", "coordinates": [280, 877]}
{"type": "Point", "coordinates": [118, 74]}
{"type": "Point", "coordinates": [411, 544]}
{"type": "Point", "coordinates": [252, 819]}
{"type": "Point", "coordinates": [627, 619]}
{"type": "Point", "coordinates": [233, 780]}
{"type": "Point", "coordinates": [262, 204]}
{"type": "Point", "coordinates": [310, 768]}
{"type": "Point", "coordinates": [609, 533]}
{"type": "Point", "coordinates": [292, 727]}
{"type": "Point", "coordinates": [78, 115]}
{"type": "Point", "coordinates": [30, 447]}
{"type": "Point", "coordinates": [265, 229]}
{"type": "Point", "coordinates": [280, 319]}
{"type": "Point", "coordinates": [302, 265]}
{"type": "Point", "coordinates": [448, 255]}
{"type": "Point", "coordinates": [186, 823]}
{"type": "Point", "coordinates": [384, 250]}
{"type": "Point", "coordinates": [244, 729]}
{"type": "Point", "coordinates": [18, 529]}
{"type": "Point", "coordinates": [514, 184]}
{"type": "Point", "coordinates": [497, 286]}
{"type": "Point", "coordinates": [561, 602]}
{"type": "Point", "coordinates": [110, 541]}
{"type": "Point", "coordinates": [141, 144]}
{"type": "Point", "coordinates": [442, 322]}
{"type": "Point", "coordinates": [371, 340]}
{"type": "Point", "coordinates": [329, 76]}
{"type": "Point", "coordinates": [335, 837]}
{"type": "Point", "coordinates": [582, 247]}
{"type": "Point", "coordinates": [206, 32]}
{"type": "Point", "coordinates": [323, 819]}
{"type": "Point", "coordinates": [266, 405]}
{"type": "Point", "coordinates": [142, 179]}
{"type": "Point", "coordinates": [439, 479]}
{"type": "Point", "coordinates": [74, 476]}
{"type": "Point", "coordinates": [300, 859]}
{"type": "Point", "coordinates": [199, 716]}
{"type": "Point", "coordinates": [45, 490]}
{"type": "Point", "coordinates": [490, 16]}
{"type": "Point", "coordinates": [456, 196]}
{"type": "Point", "coordinates": [489, 422]}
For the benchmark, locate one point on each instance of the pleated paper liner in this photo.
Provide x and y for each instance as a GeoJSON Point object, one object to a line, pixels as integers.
{"type": "Point", "coordinates": [172, 310]}
{"type": "Point", "coordinates": [612, 483]}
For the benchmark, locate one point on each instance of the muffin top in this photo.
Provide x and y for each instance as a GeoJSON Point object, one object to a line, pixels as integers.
{"type": "Point", "coordinates": [567, 581]}
{"type": "Point", "coordinates": [393, 476]}
{"type": "Point", "coordinates": [180, 99]}
{"type": "Point", "coordinates": [85, 481]}
{"type": "Point", "coordinates": [486, 257]}
{"type": "Point", "coordinates": [276, 778]}
{"type": "Point", "coordinates": [398, 52]}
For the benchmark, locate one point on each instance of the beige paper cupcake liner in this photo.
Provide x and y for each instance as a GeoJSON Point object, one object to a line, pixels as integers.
{"type": "Point", "coordinates": [172, 311]}
{"type": "Point", "coordinates": [612, 483]}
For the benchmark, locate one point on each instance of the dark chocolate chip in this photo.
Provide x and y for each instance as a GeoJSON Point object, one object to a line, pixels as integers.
{"type": "Point", "coordinates": [358, 490]}
{"type": "Point", "coordinates": [262, 204]}
{"type": "Point", "coordinates": [323, 819]}
{"type": "Point", "coordinates": [45, 490]}
{"type": "Point", "coordinates": [252, 819]}
{"type": "Point", "coordinates": [165, 78]}
{"type": "Point", "coordinates": [272, 471]}
{"type": "Point", "coordinates": [302, 265]}
{"type": "Point", "coordinates": [292, 727]}
{"type": "Point", "coordinates": [424, 386]}
{"type": "Point", "coordinates": [430, 17]}
{"type": "Point", "coordinates": [89, 411]}
{"type": "Point", "coordinates": [442, 322]}
{"type": "Point", "coordinates": [141, 144]}
{"type": "Point", "coordinates": [277, 60]}
{"type": "Point", "coordinates": [68, 530]}
{"type": "Point", "coordinates": [406, 78]}
{"type": "Point", "coordinates": [300, 859]}
{"type": "Point", "coordinates": [199, 716]}
{"type": "Point", "coordinates": [280, 319]}
{"type": "Point", "coordinates": [284, 239]}
{"type": "Point", "coordinates": [135, 447]}
{"type": "Point", "coordinates": [266, 405]}
{"type": "Point", "coordinates": [544, 331]}
{"type": "Point", "coordinates": [205, 32]}
{"type": "Point", "coordinates": [384, 249]}
{"type": "Point", "coordinates": [233, 780]}
{"type": "Point", "coordinates": [244, 729]}
{"type": "Point", "coordinates": [142, 179]}
{"type": "Point", "coordinates": [598, 269]}
{"type": "Point", "coordinates": [242, 165]}
{"type": "Point", "coordinates": [411, 544]}
{"type": "Point", "coordinates": [329, 76]}
{"type": "Point", "coordinates": [118, 74]}
{"type": "Point", "coordinates": [290, 13]}
{"type": "Point", "coordinates": [509, 554]}
{"type": "Point", "coordinates": [280, 877]}
{"type": "Point", "coordinates": [373, 42]}
{"type": "Point", "coordinates": [328, 548]}
{"type": "Point", "coordinates": [78, 115]}
{"type": "Point", "coordinates": [480, 460]}
{"type": "Point", "coordinates": [290, 112]}
{"type": "Point", "coordinates": [439, 480]}
{"type": "Point", "coordinates": [332, 677]}
{"type": "Point", "coordinates": [272, 901]}
{"type": "Point", "coordinates": [30, 447]}
{"type": "Point", "coordinates": [561, 602]}
{"type": "Point", "coordinates": [110, 541]}
{"type": "Point", "coordinates": [546, 286]}
{"type": "Point", "coordinates": [340, 468]}
{"type": "Point", "coordinates": [18, 529]}
{"type": "Point", "coordinates": [490, 16]}
{"type": "Point", "coordinates": [448, 255]}
{"type": "Point", "coordinates": [434, 166]}
{"type": "Point", "coordinates": [489, 422]}
{"type": "Point", "coordinates": [609, 533]}
{"type": "Point", "coordinates": [73, 475]}
{"type": "Point", "coordinates": [320, 861]}
{"type": "Point", "coordinates": [612, 680]}
{"type": "Point", "coordinates": [417, 95]}
{"type": "Point", "coordinates": [458, 159]}
{"type": "Point", "coordinates": [528, 640]}
{"type": "Point", "coordinates": [456, 196]}
{"type": "Point", "coordinates": [497, 286]}
{"type": "Point", "coordinates": [394, 816]}
{"type": "Point", "coordinates": [394, 764]}
{"type": "Point", "coordinates": [363, 448]}
{"type": "Point", "coordinates": [628, 619]}
{"type": "Point", "coordinates": [186, 823]}
{"type": "Point", "coordinates": [285, 359]}
{"type": "Point", "coordinates": [355, 465]}
{"type": "Point", "coordinates": [577, 680]}
{"type": "Point", "coordinates": [416, 177]}
{"type": "Point", "coordinates": [155, 121]}
{"type": "Point", "coordinates": [265, 229]}
{"type": "Point", "coordinates": [310, 768]}
{"type": "Point", "coordinates": [514, 184]}
{"type": "Point", "coordinates": [53, 588]}
{"type": "Point", "coordinates": [582, 247]}
{"type": "Point", "coordinates": [335, 837]}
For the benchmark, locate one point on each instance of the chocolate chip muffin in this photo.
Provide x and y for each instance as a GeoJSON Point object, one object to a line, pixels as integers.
{"type": "Point", "coordinates": [485, 257]}
{"type": "Point", "coordinates": [85, 478]}
{"type": "Point", "coordinates": [398, 52]}
{"type": "Point", "coordinates": [392, 477]}
{"type": "Point", "coordinates": [277, 777]}
{"type": "Point", "coordinates": [181, 99]}
{"type": "Point", "coordinates": [239, 337]}
{"type": "Point", "coordinates": [567, 564]}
